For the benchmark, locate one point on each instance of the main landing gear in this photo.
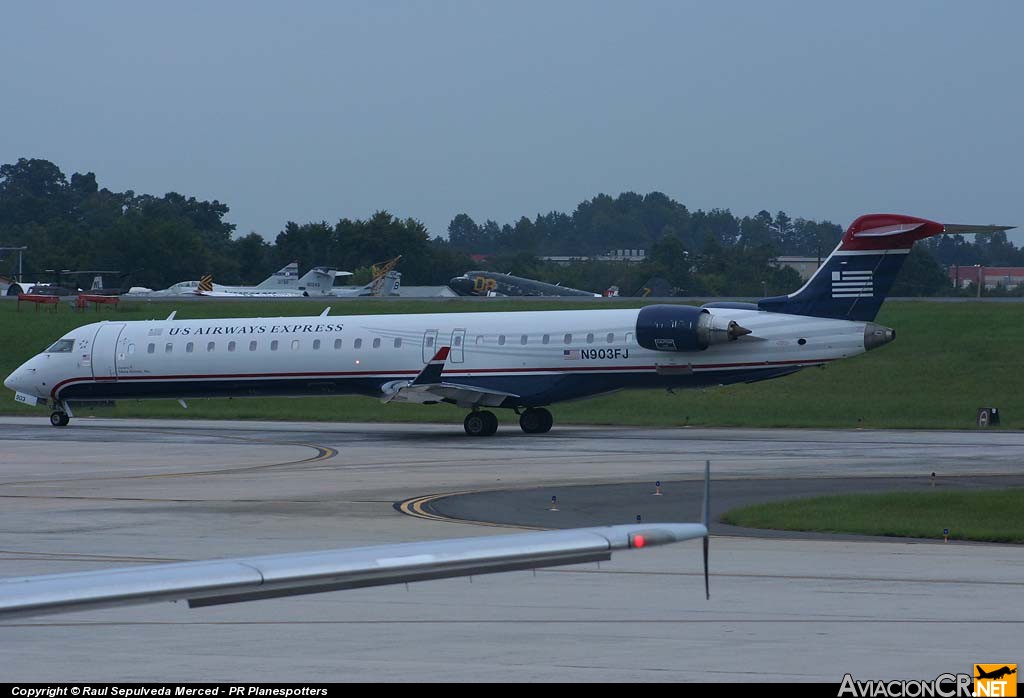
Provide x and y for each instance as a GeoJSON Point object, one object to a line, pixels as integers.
{"type": "Point", "coordinates": [481, 423]}
{"type": "Point", "coordinates": [59, 418]}
{"type": "Point", "coordinates": [536, 420]}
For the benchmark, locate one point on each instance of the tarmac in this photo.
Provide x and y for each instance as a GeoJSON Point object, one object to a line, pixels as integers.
{"type": "Point", "coordinates": [111, 493]}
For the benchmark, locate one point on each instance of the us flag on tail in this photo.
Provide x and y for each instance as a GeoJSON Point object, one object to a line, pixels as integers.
{"type": "Point", "coordinates": [852, 284]}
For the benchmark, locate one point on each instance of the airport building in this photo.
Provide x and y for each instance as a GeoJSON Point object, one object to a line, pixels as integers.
{"type": "Point", "coordinates": [1007, 277]}
{"type": "Point", "coordinates": [804, 266]}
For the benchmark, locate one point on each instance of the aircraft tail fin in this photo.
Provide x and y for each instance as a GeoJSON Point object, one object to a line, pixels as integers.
{"type": "Point", "coordinates": [384, 285]}
{"type": "Point", "coordinates": [318, 281]}
{"type": "Point", "coordinates": [205, 284]}
{"type": "Point", "coordinates": [286, 277]}
{"type": "Point", "coordinates": [854, 281]}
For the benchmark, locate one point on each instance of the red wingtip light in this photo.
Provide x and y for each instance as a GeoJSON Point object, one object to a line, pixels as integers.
{"type": "Point", "coordinates": [638, 541]}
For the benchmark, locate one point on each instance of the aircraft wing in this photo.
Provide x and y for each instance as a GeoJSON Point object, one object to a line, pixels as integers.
{"type": "Point", "coordinates": [213, 582]}
{"type": "Point", "coordinates": [428, 387]}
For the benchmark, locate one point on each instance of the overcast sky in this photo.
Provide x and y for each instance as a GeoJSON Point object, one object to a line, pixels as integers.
{"type": "Point", "coordinates": [321, 110]}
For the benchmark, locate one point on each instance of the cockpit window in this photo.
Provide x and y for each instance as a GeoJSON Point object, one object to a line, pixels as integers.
{"type": "Point", "coordinates": [62, 346]}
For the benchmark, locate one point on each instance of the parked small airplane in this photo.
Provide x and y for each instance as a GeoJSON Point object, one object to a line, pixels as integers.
{"type": "Point", "coordinates": [285, 278]}
{"type": "Point", "coordinates": [319, 281]}
{"type": "Point", "coordinates": [522, 361]}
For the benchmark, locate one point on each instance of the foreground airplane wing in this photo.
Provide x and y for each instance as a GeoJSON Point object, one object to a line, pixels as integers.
{"type": "Point", "coordinates": [213, 582]}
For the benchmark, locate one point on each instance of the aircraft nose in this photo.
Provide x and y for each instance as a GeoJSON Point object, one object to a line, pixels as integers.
{"type": "Point", "coordinates": [11, 381]}
{"type": "Point", "coordinates": [461, 285]}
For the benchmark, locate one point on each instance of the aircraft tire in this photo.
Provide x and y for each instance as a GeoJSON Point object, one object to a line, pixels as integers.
{"type": "Point", "coordinates": [480, 423]}
{"type": "Point", "coordinates": [536, 420]}
{"type": "Point", "coordinates": [59, 419]}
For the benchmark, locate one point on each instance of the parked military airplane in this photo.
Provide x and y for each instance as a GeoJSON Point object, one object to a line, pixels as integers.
{"type": "Point", "coordinates": [285, 278]}
{"type": "Point", "coordinates": [319, 281]}
{"type": "Point", "coordinates": [523, 361]}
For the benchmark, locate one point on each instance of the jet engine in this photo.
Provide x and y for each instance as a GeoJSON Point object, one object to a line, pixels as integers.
{"type": "Point", "coordinates": [683, 328]}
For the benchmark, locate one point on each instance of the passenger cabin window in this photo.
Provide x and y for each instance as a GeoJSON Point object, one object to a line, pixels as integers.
{"type": "Point", "coordinates": [398, 342]}
{"type": "Point", "coordinates": [358, 344]}
{"type": "Point", "coordinates": [210, 346]}
{"type": "Point", "coordinates": [568, 338]}
{"type": "Point", "coordinates": [62, 346]}
{"type": "Point", "coordinates": [189, 347]}
{"type": "Point", "coordinates": [522, 340]}
{"type": "Point", "coordinates": [590, 338]}
{"type": "Point", "coordinates": [273, 345]}
{"type": "Point", "coordinates": [337, 344]}
{"type": "Point", "coordinates": [501, 340]}
{"type": "Point", "coordinates": [457, 342]}
{"type": "Point", "coordinates": [479, 340]}
{"type": "Point", "coordinates": [168, 348]}
{"type": "Point", "coordinates": [545, 339]}
{"type": "Point", "coordinates": [231, 346]}
{"type": "Point", "coordinates": [376, 342]}
{"type": "Point", "coordinates": [150, 348]}
{"type": "Point", "coordinates": [295, 345]}
{"type": "Point", "coordinates": [430, 342]}
{"type": "Point", "coordinates": [316, 344]}
{"type": "Point", "coordinates": [252, 345]}
{"type": "Point", "coordinates": [611, 337]}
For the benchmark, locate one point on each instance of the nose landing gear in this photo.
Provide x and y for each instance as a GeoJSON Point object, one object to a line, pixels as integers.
{"type": "Point", "coordinates": [59, 418]}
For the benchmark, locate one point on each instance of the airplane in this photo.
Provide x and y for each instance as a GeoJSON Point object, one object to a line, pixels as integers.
{"type": "Point", "coordinates": [524, 361]}
{"type": "Point", "coordinates": [284, 278]}
{"type": "Point", "coordinates": [996, 674]}
{"type": "Point", "coordinates": [215, 582]}
{"type": "Point", "coordinates": [317, 282]}
{"type": "Point", "coordinates": [489, 283]}
{"type": "Point", "coordinates": [57, 288]}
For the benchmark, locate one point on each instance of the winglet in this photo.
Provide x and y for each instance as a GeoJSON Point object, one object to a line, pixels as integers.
{"type": "Point", "coordinates": [431, 373]}
{"type": "Point", "coordinates": [705, 518]}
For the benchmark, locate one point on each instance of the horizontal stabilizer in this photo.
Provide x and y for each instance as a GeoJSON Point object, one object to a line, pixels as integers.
{"type": "Point", "coordinates": [958, 228]}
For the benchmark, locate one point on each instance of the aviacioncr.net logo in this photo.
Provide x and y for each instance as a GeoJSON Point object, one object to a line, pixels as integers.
{"type": "Point", "coordinates": [995, 680]}
{"type": "Point", "coordinates": [942, 686]}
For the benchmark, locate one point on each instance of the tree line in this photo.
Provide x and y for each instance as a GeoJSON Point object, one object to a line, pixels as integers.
{"type": "Point", "coordinates": [73, 223]}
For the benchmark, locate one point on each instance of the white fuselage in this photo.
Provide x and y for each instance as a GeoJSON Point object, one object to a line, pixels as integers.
{"type": "Point", "coordinates": [538, 356]}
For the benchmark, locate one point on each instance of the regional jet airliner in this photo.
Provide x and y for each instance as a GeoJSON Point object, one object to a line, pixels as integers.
{"type": "Point", "coordinates": [522, 361]}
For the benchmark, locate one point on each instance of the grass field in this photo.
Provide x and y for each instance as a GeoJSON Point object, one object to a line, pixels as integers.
{"type": "Point", "coordinates": [948, 360]}
{"type": "Point", "coordinates": [996, 516]}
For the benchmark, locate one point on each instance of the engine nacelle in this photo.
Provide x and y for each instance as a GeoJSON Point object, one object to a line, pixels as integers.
{"type": "Point", "coordinates": [683, 328]}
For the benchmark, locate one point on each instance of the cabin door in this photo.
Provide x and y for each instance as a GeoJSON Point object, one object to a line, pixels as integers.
{"type": "Point", "coordinates": [104, 351]}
